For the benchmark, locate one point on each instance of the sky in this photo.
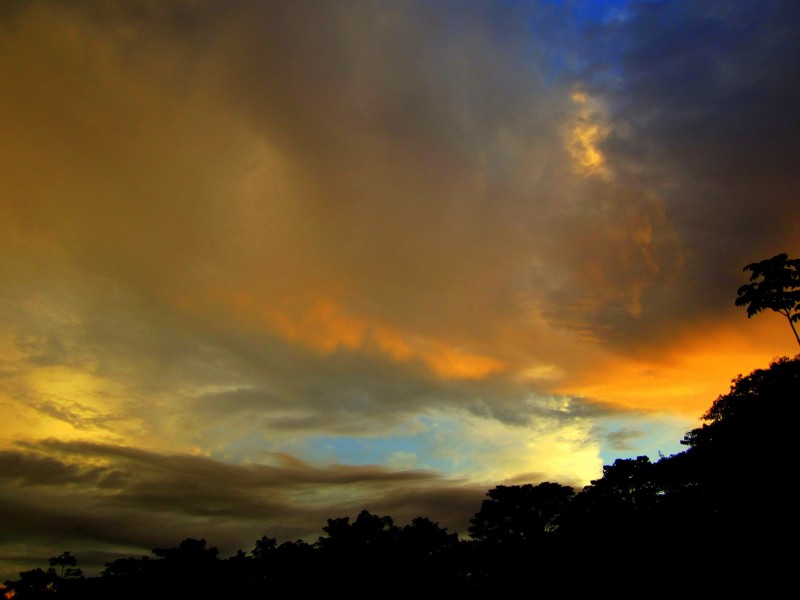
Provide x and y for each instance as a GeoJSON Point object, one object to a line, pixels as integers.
{"type": "Point", "coordinates": [268, 263]}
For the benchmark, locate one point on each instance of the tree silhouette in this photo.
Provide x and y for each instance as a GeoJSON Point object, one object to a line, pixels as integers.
{"type": "Point", "coordinates": [364, 539]}
{"type": "Point", "coordinates": [425, 537]}
{"type": "Point", "coordinates": [264, 548]}
{"type": "Point", "coordinates": [775, 284]}
{"type": "Point", "coordinates": [189, 570]}
{"type": "Point", "coordinates": [737, 461]}
{"type": "Point", "coordinates": [755, 422]}
{"type": "Point", "coordinates": [619, 505]}
{"type": "Point", "coordinates": [36, 583]}
{"type": "Point", "coordinates": [32, 584]}
{"type": "Point", "coordinates": [68, 564]}
{"type": "Point", "coordinates": [519, 515]}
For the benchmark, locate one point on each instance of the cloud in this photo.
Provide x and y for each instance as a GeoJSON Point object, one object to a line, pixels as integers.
{"type": "Point", "coordinates": [95, 497]}
{"type": "Point", "coordinates": [387, 200]}
{"type": "Point", "coordinates": [713, 125]}
{"type": "Point", "coordinates": [42, 470]}
{"type": "Point", "coordinates": [622, 438]}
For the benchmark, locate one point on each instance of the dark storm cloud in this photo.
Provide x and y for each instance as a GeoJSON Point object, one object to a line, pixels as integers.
{"type": "Point", "coordinates": [93, 497]}
{"type": "Point", "coordinates": [624, 439]}
{"type": "Point", "coordinates": [706, 106]}
{"type": "Point", "coordinates": [702, 127]}
{"type": "Point", "coordinates": [43, 470]}
{"type": "Point", "coordinates": [197, 468]}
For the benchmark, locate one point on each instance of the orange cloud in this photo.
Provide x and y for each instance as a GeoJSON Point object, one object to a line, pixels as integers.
{"type": "Point", "coordinates": [455, 363]}
{"type": "Point", "coordinates": [687, 376]}
{"type": "Point", "coordinates": [325, 327]}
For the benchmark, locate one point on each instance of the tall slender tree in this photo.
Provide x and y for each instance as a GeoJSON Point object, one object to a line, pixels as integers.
{"type": "Point", "coordinates": [774, 284]}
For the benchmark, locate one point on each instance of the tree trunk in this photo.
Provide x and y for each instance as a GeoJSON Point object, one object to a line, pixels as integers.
{"type": "Point", "coordinates": [791, 324]}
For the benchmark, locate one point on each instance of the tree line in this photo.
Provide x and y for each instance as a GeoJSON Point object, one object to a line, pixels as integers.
{"type": "Point", "coordinates": [715, 514]}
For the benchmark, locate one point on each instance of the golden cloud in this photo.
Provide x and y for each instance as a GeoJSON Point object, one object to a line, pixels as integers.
{"type": "Point", "coordinates": [323, 325]}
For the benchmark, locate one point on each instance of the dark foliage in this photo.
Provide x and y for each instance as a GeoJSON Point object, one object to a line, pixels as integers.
{"type": "Point", "coordinates": [519, 516]}
{"type": "Point", "coordinates": [712, 519]}
{"type": "Point", "coordinates": [774, 285]}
